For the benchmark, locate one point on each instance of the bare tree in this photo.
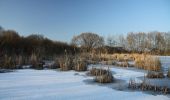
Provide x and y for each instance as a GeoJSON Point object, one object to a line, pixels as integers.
{"type": "Point", "coordinates": [131, 41]}
{"type": "Point", "coordinates": [111, 41]}
{"type": "Point", "coordinates": [122, 42]}
{"type": "Point", "coordinates": [88, 40]}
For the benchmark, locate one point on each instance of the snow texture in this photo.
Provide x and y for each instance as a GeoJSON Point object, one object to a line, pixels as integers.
{"type": "Point", "coordinates": [31, 84]}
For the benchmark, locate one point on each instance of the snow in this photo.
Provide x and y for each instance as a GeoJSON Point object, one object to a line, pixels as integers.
{"type": "Point", "coordinates": [31, 84]}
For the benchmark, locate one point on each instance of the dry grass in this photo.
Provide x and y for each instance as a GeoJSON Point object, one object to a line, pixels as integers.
{"type": "Point", "coordinates": [148, 62]}
{"type": "Point", "coordinates": [124, 64]}
{"type": "Point", "coordinates": [102, 75]}
{"type": "Point", "coordinates": [97, 71]}
{"type": "Point", "coordinates": [152, 74]}
{"type": "Point", "coordinates": [109, 62]}
{"type": "Point", "coordinates": [142, 61]}
{"type": "Point", "coordinates": [8, 63]}
{"type": "Point", "coordinates": [34, 60]}
{"type": "Point", "coordinates": [145, 86]}
{"type": "Point", "coordinates": [123, 57]}
{"type": "Point", "coordinates": [106, 78]}
{"type": "Point", "coordinates": [65, 63]}
{"type": "Point", "coordinates": [80, 65]}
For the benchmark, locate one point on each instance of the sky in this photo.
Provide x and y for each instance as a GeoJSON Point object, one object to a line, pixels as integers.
{"type": "Point", "coordinates": [62, 19]}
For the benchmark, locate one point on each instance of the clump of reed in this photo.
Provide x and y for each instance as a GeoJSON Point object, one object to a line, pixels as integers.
{"type": "Point", "coordinates": [148, 62]}
{"type": "Point", "coordinates": [124, 64]}
{"type": "Point", "coordinates": [19, 61]}
{"type": "Point", "coordinates": [109, 62]}
{"type": "Point", "coordinates": [153, 74]}
{"type": "Point", "coordinates": [8, 63]}
{"type": "Point", "coordinates": [106, 78]}
{"type": "Point", "coordinates": [36, 64]}
{"type": "Point", "coordinates": [80, 64]}
{"type": "Point", "coordinates": [102, 75]}
{"type": "Point", "coordinates": [97, 71]}
{"type": "Point", "coordinates": [123, 57]}
{"type": "Point", "coordinates": [145, 86]}
{"type": "Point", "coordinates": [65, 63]}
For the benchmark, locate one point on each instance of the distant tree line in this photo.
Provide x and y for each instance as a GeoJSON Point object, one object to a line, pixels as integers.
{"type": "Point", "coordinates": [140, 42]}
{"type": "Point", "coordinates": [11, 43]}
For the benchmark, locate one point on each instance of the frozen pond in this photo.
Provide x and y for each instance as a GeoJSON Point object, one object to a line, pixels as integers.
{"type": "Point", "coordinates": [30, 84]}
{"type": "Point", "coordinates": [165, 60]}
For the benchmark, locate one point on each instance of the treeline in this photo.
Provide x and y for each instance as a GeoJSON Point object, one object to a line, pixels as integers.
{"type": "Point", "coordinates": [11, 43]}
{"type": "Point", "coordinates": [140, 42]}
{"type": "Point", "coordinates": [16, 49]}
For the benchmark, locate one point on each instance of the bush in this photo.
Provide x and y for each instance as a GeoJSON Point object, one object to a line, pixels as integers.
{"type": "Point", "coordinates": [152, 74]}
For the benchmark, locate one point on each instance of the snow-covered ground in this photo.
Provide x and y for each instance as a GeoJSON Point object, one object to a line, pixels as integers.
{"type": "Point", "coordinates": [30, 84]}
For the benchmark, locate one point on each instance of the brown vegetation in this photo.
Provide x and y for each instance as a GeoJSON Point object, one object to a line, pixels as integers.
{"type": "Point", "coordinates": [148, 62]}
{"type": "Point", "coordinates": [168, 74]}
{"type": "Point", "coordinates": [152, 74]}
{"type": "Point", "coordinates": [148, 87]}
{"type": "Point", "coordinates": [102, 75]}
{"type": "Point", "coordinates": [65, 63]}
{"type": "Point", "coordinates": [80, 65]}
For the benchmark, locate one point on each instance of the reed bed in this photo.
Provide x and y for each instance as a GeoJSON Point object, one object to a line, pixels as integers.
{"type": "Point", "coordinates": [102, 75]}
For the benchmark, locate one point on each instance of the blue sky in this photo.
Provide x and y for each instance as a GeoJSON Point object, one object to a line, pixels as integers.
{"type": "Point", "coordinates": [62, 19]}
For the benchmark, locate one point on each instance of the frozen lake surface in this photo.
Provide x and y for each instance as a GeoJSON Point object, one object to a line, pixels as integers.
{"type": "Point", "coordinates": [31, 84]}
{"type": "Point", "coordinates": [165, 61]}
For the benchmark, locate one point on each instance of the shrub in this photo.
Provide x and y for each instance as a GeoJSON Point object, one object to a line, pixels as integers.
{"type": "Point", "coordinates": [152, 74]}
